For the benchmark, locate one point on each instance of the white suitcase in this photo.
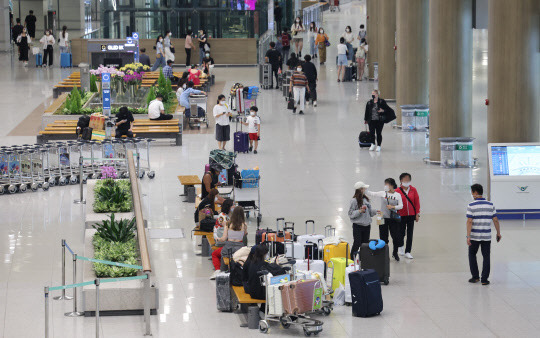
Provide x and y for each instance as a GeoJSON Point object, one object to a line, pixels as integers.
{"type": "Point", "coordinates": [310, 238]}
{"type": "Point", "coordinates": [275, 302]}
{"type": "Point", "coordinates": [314, 266]}
{"type": "Point", "coordinates": [303, 274]}
{"type": "Point", "coordinates": [294, 250]}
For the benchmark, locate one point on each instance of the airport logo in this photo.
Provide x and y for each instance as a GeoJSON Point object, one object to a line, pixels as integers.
{"type": "Point", "coordinates": [523, 189]}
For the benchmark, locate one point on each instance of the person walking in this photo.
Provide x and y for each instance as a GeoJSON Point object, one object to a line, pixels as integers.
{"type": "Point", "coordinates": [376, 115]}
{"type": "Point", "coordinates": [188, 46]}
{"type": "Point", "coordinates": [273, 57]}
{"type": "Point", "coordinates": [293, 62]}
{"type": "Point", "coordinates": [30, 24]}
{"type": "Point", "coordinates": [167, 44]}
{"type": "Point", "coordinates": [480, 214]}
{"type": "Point", "coordinates": [298, 31]}
{"type": "Point", "coordinates": [362, 34]}
{"type": "Point", "coordinates": [16, 30]}
{"type": "Point", "coordinates": [311, 35]}
{"type": "Point", "coordinates": [391, 203]}
{"type": "Point", "coordinates": [298, 88]}
{"type": "Point", "coordinates": [342, 61]}
{"type": "Point", "coordinates": [322, 42]}
{"type": "Point", "coordinates": [285, 46]}
{"type": "Point", "coordinates": [278, 16]}
{"type": "Point", "coordinates": [410, 212]}
{"type": "Point", "coordinates": [310, 71]}
{"type": "Point", "coordinates": [349, 39]}
{"type": "Point", "coordinates": [63, 41]}
{"type": "Point", "coordinates": [221, 115]}
{"type": "Point", "coordinates": [160, 54]}
{"type": "Point", "coordinates": [47, 43]}
{"type": "Point", "coordinates": [144, 58]}
{"type": "Point", "coordinates": [203, 43]}
{"type": "Point", "coordinates": [361, 55]}
{"type": "Point", "coordinates": [360, 213]}
{"type": "Point", "coordinates": [23, 41]}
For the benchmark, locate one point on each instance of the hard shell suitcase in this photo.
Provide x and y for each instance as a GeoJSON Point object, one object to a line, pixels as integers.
{"type": "Point", "coordinates": [348, 77]}
{"type": "Point", "coordinates": [39, 60]}
{"type": "Point", "coordinates": [366, 293]}
{"type": "Point", "coordinates": [313, 266]}
{"type": "Point", "coordinates": [278, 235]}
{"type": "Point", "coordinates": [294, 250]}
{"type": "Point", "coordinates": [310, 238]}
{"type": "Point", "coordinates": [308, 295]}
{"type": "Point", "coordinates": [288, 297]}
{"type": "Point", "coordinates": [333, 250]}
{"type": "Point", "coordinates": [335, 271]}
{"type": "Point", "coordinates": [223, 292]}
{"type": "Point", "coordinates": [241, 140]}
{"type": "Point", "coordinates": [265, 75]}
{"type": "Point", "coordinates": [379, 260]}
{"type": "Point", "coordinates": [275, 302]}
{"type": "Point", "coordinates": [65, 60]}
{"type": "Point", "coordinates": [364, 139]}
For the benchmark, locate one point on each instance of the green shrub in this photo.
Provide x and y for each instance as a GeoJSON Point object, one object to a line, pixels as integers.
{"type": "Point", "coordinates": [93, 85]}
{"type": "Point", "coordinates": [120, 252]}
{"type": "Point", "coordinates": [151, 96]}
{"type": "Point", "coordinates": [76, 101]}
{"type": "Point", "coordinates": [161, 80]}
{"type": "Point", "coordinates": [113, 230]}
{"type": "Point", "coordinates": [112, 196]}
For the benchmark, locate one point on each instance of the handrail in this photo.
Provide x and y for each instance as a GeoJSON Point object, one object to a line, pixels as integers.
{"type": "Point", "coordinates": [137, 209]}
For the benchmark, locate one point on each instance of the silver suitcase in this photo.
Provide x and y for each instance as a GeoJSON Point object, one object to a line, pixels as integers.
{"type": "Point", "coordinates": [265, 75]}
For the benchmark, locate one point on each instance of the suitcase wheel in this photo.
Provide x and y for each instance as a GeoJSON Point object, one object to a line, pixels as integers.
{"type": "Point", "coordinates": [386, 281]}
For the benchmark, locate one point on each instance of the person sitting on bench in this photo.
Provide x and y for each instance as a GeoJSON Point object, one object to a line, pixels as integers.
{"type": "Point", "coordinates": [184, 100]}
{"type": "Point", "coordinates": [156, 109]}
{"type": "Point", "coordinates": [124, 123]}
{"type": "Point", "coordinates": [168, 72]}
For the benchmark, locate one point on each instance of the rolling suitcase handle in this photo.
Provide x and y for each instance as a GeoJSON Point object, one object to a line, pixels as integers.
{"type": "Point", "coordinates": [281, 219]}
{"type": "Point", "coordinates": [312, 222]}
{"type": "Point", "coordinates": [320, 243]}
{"type": "Point", "coordinates": [329, 229]}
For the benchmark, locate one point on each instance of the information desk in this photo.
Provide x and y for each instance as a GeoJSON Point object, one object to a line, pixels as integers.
{"type": "Point", "coordinates": [514, 179]}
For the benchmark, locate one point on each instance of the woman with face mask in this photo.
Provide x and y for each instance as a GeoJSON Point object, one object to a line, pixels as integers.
{"type": "Point", "coordinates": [160, 54]}
{"type": "Point", "coordinates": [341, 59]}
{"type": "Point", "coordinates": [23, 41]}
{"type": "Point", "coordinates": [376, 115]}
{"type": "Point", "coordinates": [391, 203]}
{"type": "Point", "coordinates": [298, 86]}
{"type": "Point", "coordinates": [207, 62]}
{"type": "Point", "coordinates": [311, 34]}
{"type": "Point", "coordinates": [203, 44]}
{"type": "Point", "coordinates": [47, 42]}
{"type": "Point", "coordinates": [221, 114]}
{"type": "Point", "coordinates": [168, 46]}
{"type": "Point", "coordinates": [409, 214]}
{"type": "Point", "coordinates": [322, 42]}
{"type": "Point", "coordinates": [349, 39]}
{"type": "Point", "coordinates": [298, 36]}
{"type": "Point", "coordinates": [361, 55]}
{"type": "Point", "coordinates": [360, 214]}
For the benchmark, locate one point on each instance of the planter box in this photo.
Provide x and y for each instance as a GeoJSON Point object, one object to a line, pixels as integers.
{"type": "Point", "coordinates": [115, 299]}
{"type": "Point", "coordinates": [92, 217]}
{"type": "Point", "coordinates": [49, 118]}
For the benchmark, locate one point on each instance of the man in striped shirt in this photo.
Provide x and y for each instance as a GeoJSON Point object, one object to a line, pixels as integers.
{"type": "Point", "coordinates": [298, 86]}
{"type": "Point", "coordinates": [480, 213]}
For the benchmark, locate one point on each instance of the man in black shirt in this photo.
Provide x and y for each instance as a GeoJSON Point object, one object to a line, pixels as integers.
{"type": "Point", "coordinates": [16, 30]}
{"type": "Point", "coordinates": [30, 23]}
{"type": "Point", "coordinates": [310, 71]}
{"type": "Point", "coordinates": [144, 58]}
{"type": "Point", "coordinates": [273, 57]}
{"type": "Point", "coordinates": [124, 123]}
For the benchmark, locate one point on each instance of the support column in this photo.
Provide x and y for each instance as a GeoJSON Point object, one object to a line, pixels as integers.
{"type": "Point", "coordinates": [514, 71]}
{"type": "Point", "coordinates": [450, 71]}
{"type": "Point", "coordinates": [411, 54]}
{"type": "Point", "coordinates": [387, 55]}
{"type": "Point", "coordinates": [372, 34]}
{"type": "Point", "coordinates": [5, 28]}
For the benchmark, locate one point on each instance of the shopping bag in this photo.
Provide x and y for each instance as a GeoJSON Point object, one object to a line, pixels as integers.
{"type": "Point", "coordinates": [249, 178]}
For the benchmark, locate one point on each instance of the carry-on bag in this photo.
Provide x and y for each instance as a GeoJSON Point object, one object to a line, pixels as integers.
{"type": "Point", "coordinates": [278, 235]}
{"type": "Point", "coordinates": [378, 259]}
{"type": "Point", "coordinates": [335, 250]}
{"type": "Point", "coordinates": [311, 238]}
{"type": "Point", "coordinates": [290, 103]}
{"type": "Point", "coordinates": [308, 295]}
{"type": "Point", "coordinates": [288, 297]}
{"type": "Point", "coordinates": [308, 264]}
{"type": "Point", "coordinates": [366, 293]}
{"type": "Point", "coordinates": [241, 140]}
{"type": "Point", "coordinates": [364, 139]}
{"type": "Point", "coordinates": [335, 271]}
{"type": "Point", "coordinates": [65, 60]}
{"type": "Point", "coordinates": [223, 292]}
{"type": "Point", "coordinates": [275, 302]}
{"type": "Point", "coordinates": [39, 60]}
{"type": "Point", "coordinates": [348, 76]}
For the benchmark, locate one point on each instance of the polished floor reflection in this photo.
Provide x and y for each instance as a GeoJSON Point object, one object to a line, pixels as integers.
{"type": "Point", "coordinates": [308, 167]}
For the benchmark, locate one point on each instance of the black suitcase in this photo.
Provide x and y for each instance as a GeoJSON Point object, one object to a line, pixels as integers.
{"type": "Point", "coordinates": [378, 260]}
{"type": "Point", "coordinates": [366, 293]}
{"type": "Point", "coordinates": [223, 292]}
{"type": "Point", "coordinates": [364, 139]}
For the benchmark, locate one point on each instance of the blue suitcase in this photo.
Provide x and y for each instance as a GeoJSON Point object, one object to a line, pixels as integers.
{"type": "Point", "coordinates": [39, 60]}
{"type": "Point", "coordinates": [65, 60]}
{"type": "Point", "coordinates": [241, 142]}
{"type": "Point", "coordinates": [250, 91]}
{"type": "Point", "coordinates": [366, 293]}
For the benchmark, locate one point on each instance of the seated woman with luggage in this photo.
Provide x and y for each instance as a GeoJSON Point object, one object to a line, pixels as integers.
{"type": "Point", "coordinates": [256, 264]}
{"type": "Point", "coordinates": [210, 201]}
{"type": "Point", "coordinates": [234, 233]}
{"type": "Point", "coordinates": [221, 222]}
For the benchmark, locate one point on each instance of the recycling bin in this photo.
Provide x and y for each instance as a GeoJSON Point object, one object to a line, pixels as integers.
{"type": "Point", "coordinates": [448, 152]}
{"type": "Point", "coordinates": [407, 117]}
{"type": "Point", "coordinates": [421, 114]}
{"type": "Point", "coordinates": [464, 152]}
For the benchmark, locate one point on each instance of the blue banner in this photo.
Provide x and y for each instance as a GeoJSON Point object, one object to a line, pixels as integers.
{"type": "Point", "coordinates": [135, 38]}
{"type": "Point", "coordinates": [106, 85]}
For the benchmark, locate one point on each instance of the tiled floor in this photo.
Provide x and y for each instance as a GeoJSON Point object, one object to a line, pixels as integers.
{"type": "Point", "coordinates": [308, 166]}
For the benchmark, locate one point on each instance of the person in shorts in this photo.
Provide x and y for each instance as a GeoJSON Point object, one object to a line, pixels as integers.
{"type": "Point", "coordinates": [253, 122]}
{"type": "Point", "coordinates": [342, 61]}
{"type": "Point", "coordinates": [221, 115]}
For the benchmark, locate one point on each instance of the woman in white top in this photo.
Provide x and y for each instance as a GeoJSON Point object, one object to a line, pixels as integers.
{"type": "Point", "coordinates": [342, 61]}
{"type": "Point", "coordinates": [63, 41]}
{"type": "Point", "coordinates": [311, 34]}
{"type": "Point", "coordinates": [169, 55]}
{"type": "Point", "coordinates": [298, 36]}
{"type": "Point", "coordinates": [361, 55]}
{"type": "Point", "coordinates": [47, 42]}
{"type": "Point", "coordinates": [391, 202]}
{"type": "Point", "coordinates": [349, 39]}
{"type": "Point", "coordinates": [221, 115]}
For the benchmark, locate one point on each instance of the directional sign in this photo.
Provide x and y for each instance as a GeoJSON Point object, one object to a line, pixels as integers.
{"type": "Point", "coordinates": [135, 39]}
{"type": "Point", "coordinates": [106, 84]}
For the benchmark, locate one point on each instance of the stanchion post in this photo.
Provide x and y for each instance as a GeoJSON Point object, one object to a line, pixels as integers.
{"type": "Point", "coordinates": [46, 312]}
{"type": "Point", "coordinates": [147, 304]}
{"type": "Point", "coordinates": [97, 307]}
{"type": "Point", "coordinates": [63, 296]}
{"type": "Point", "coordinates": [81, 200]}
{"type": "Point", "coordinates": [74, 313]}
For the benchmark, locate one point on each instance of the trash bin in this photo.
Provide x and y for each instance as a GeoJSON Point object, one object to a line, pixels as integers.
{"type": "Point", "coordinates": [421, 114]}
{"type": "Point", "coordinates": [407, 117]}
{"type": "Point", "coordinates": [464, 154]}
{"type": "Point", "coordinates": [448, 152]}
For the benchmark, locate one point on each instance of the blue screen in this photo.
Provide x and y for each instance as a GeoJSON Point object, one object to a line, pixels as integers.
{"type": "Point", "coordinates": [515, 160]}
{"type": "Point", "coordinates": [499, 160]}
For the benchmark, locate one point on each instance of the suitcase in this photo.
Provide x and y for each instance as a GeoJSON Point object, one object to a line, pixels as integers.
{"type": "Point", "coordinates": [241, 141]}
{"type": "Point", "coordinates": [265, 75]}
{"type": "Point", "coordinates": [294, 250]}
{"type": "Point", "coordinates": [335, 271]}
{"type": "Point", "coordinates": [332, 250]}
{"type": "Point", "coordinates": [278, 235]}
{"type": "Point", "coordinates": [364, 139]}
{"type": "Point", "coordinates": [310, 238]}
{"type": "Point", "coordinates": [348, 76]}
{"type": "Point", "coordinates": [275, 302]}
{"type": "Point", "coordinates": [288, 297]}
{"type": "Point", "coordinates": [366, 293]}
{"type": "Point", "coordinates": [65, 60]}
{"type": "Point", "coordinates": [309, 265]}
{"type": "Point", "coordinates": [251, 92]}
{"type": "Point", "coordinates": [223, 292]}
{"type": "Point", "coordinates": [239, 100]}
{"type": "Point", "coordinates": [300, 296]}
{"type": "Point", "coordinates": [39, 60]}
{"type": "Point", "coordinates": [378, 260]}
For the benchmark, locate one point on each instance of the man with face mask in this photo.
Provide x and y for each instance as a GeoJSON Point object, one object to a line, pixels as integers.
{"type": "Point", "coordinates": [298, 86]}
{"type": "Point", "coordinates": [410, 212]}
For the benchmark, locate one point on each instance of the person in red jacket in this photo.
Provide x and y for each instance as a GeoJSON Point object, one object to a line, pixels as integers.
{"type": "Point", "coordinates": [410, 212]}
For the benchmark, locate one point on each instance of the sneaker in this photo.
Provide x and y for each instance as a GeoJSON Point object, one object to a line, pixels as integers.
{"type": "Point", "coordinates": [408, 255]}
{"type": "Point", "coordinates": [373, 147]}
{"type": "Point", "coordinates": [378, 149]}
{"type": "Point", "coordinates": [301, 112]}
{"type": "Point", "coordinates": [486, 282]}
{"type": "Point", "coordinates": [250, 148]}
{"type": "Point", "coordinates": [314, 103]}
{"type": "Point", "coordinates": [254, 151]}
{"type": "Point", "coordinates": [401, 251]}
{"type": "Point", "coordinates": [214, 274]}
{"type": "Point", "coordinates": [396, 256]}
{"type": "Point", "coordinates": [474, 280]}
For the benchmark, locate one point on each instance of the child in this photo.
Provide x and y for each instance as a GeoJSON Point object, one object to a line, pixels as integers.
{"type": "Point", "coordinates": [254, 128]}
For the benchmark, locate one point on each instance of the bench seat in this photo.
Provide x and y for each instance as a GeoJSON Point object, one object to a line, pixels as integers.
{"type": "Point", "coordinates": [244, 298]}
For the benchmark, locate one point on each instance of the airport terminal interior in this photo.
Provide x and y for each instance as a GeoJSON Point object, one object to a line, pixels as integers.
{"type": "Point", "coordinates": [307, 167]}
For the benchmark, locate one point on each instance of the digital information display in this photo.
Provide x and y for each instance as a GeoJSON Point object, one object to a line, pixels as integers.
{"type": "Point", "coordinates": [515, 160]}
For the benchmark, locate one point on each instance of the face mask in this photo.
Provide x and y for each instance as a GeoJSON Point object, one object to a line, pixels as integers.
{"type": "Point", "coordinates": [321, 31]}
{"type": "Point", "coordinates": [207, 55]}
{"type": "Point", "coordinates": [406, 184]}
{"type": "Point", "coordinates": [386, 188]}
{"type": "Point", "coordinates": [47, 33]}
{"type": "Point", "coordinates": [347, 30]}
{"type": "Point", "coordinates": [222, 102]}
{"type": "Point", "coordinates": [372, 96]}
{"type": "Point", "coordinates": [170, 35]}
{"type": "Point", "coordinates": [299, 69]}
{"type": "Point", "coordinates": [160, 40]}
{"type": "Point", "coordinates": [297, 21]}
{"type": "Point", "coordinates": [252, 113]}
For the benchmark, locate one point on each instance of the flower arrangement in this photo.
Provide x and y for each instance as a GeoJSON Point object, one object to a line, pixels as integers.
{"type": "Point", "coordinates": [108, 172]}
{"type": "Point", "coordinates": [132, 77]}
{"type": "Point", "coordinates": [102, 69]}
{"type": "Point", "coordinates": [135, 67]}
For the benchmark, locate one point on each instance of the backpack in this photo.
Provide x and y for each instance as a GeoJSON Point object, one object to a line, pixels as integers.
{"type": "Point", "coordinates": [83, 122]}
{"type": "Point", "coordinates": [285, 40]}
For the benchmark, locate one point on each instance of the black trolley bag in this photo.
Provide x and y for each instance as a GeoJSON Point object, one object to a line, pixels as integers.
{"type": "Point", "coordinates": [378, 260]}
{"type": "Point", "coordinates": [366, 293]}
{"type": "Point", "coordinates": [364, 139]}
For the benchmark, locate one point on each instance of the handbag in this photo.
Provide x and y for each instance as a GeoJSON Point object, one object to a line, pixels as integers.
{"type": "Point", "coordinates": [327, 43]}
{"type": "Point", "coordinates": [172, 49]}
{"type": "Point", "coordinates": [393, 214]}
{"type": "Point", "coordinates": [290, 104]}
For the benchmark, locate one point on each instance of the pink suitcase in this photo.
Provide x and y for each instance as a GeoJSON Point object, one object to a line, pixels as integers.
{"type": "Point", "coordinates": [288, 298]}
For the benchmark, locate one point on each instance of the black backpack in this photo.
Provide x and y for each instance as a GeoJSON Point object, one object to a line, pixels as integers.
{"type": "Point", "coordinates": [84, 122]}
{"type": "Point", "coordinates": [207, 224]}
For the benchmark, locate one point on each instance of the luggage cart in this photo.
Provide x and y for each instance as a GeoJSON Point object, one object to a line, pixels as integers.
{"type": "Point", "coordinates": [248, 198]}
{"type": "Point", "coordinates": [142, 148]}
{"type": "Point", "coordinates": [248, 103]}
{"type": "Point", "coordinates": [309, 325]}
{"type": "Point", "coordinates": [196, 101]}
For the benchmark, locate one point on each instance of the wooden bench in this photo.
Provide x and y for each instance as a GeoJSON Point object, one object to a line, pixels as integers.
{"type": "Point", "coordinates": [189, 181]}
{"type": "Point", "coordinates": [63, 88]}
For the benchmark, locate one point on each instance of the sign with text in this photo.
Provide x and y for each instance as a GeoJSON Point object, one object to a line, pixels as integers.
{"type": "Point", "coordinates": [135, 39]}
{"type": "Point", "coordinates": [106, 85]}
